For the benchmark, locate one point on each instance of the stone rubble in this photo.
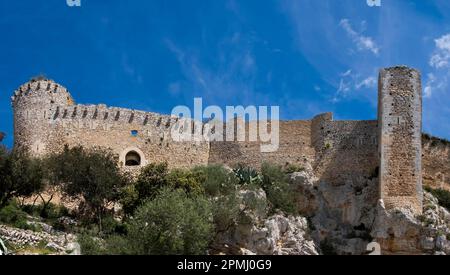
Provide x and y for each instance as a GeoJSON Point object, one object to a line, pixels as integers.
{"type": "Point", "coordinates": [58, 242]}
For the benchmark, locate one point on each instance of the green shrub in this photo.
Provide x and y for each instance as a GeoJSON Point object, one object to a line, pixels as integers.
{"type": "Point", "coordinates": [12, 215]}
{"type": "Point", "coordinates": [225, 211]}
{"type": "Point", "coordinates": [20, 174]}
{"type": "Point", "coordinates": [118, 245]}
{"type": "Point", "coordinates": [111, 226]}
{"type": "Point", "coordinates": [279, 191]}
{"type": "Point", "coordinates": [216, 180]}
{"type": "Point", "coordinates": [152, 178]}
{"type": "Point", "coordinates": [442, 195]}
{"type": "Point", "coordinates": [191, 181]}
{"type": "Point", "coordinates": [129, 199]}
{"type": "Point", "coordinates": [90, 245]}
{"type": "Point", "coordinates": [92, 174]}
{"type": "Point", "coordinates": [220, 186]}
{"type": "Point", "coordinates": [172, 223]}
{"type": "Point", "coordinates": [53, 211]}
{"type": "Point", "coordinates": [253, 205]}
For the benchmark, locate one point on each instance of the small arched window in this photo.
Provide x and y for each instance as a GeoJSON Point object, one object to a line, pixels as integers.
{"type": "Point", "coordinates": [132, 159]}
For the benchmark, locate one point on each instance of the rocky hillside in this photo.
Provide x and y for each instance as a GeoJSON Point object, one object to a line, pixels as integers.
{"type": "Point", "coordinates": [339, 220]}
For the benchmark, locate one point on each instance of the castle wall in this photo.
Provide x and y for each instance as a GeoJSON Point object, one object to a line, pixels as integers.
{"type": "Point", "coordinates": [294, 147]}
{"type": "Point", "coordinates": [46, 119]}
{"type": "Point", "coordinates": [400, 119]}
{"type": "Point", "coordinates": [124, 130]}
{"type": "Point", "coordinates": [345, 150]}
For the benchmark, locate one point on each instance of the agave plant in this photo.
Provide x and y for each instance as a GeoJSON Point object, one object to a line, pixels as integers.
{"type": "Point", "coordinates": [247, 175]}
{"type": "Point", "coordinates": [3, 250]}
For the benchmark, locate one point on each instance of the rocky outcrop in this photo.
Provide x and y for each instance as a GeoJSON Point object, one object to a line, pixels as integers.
{"type": "Point", "coordinates": [400, 232]}
{"type": "Point", "coordinates": [261, 235]}
{"type": "Point", "coordinates": [347, 217]}
{"type": "Point", "coordinates": [341, 215]}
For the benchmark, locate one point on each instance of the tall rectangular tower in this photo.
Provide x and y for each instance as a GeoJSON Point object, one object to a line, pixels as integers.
{"type": "Point", "coordinates": [400, 134]}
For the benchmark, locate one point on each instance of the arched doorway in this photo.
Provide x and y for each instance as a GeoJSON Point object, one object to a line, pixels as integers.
{"type": "Point", "coordinates": [132, 158]}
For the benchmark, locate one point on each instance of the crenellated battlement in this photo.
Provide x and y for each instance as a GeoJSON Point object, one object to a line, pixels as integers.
{"type": "Point", "coordinates": [40, 88]}
{"type": "Point", "coordinates": [103, 115]}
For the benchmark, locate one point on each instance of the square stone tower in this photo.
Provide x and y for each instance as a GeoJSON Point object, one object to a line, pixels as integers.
{"type": "Point", "coordinates": [400, 134]}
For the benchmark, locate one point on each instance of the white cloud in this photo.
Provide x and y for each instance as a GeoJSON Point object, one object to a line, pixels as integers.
{"type": "Point", "coordinates": [347, 73]}
{"type": "Point", "coordinates": [441, 56]}
{"type": "Point", "coordinates": [361, 41]}
{"type": "Point", "coordinates": [437, 80]}
{"type": "Point", "coordinates": [370, 82]}
{"type": "Point", "coordinates": [428, 90]}
{"type": "Point", "coordinates": [350, 81]}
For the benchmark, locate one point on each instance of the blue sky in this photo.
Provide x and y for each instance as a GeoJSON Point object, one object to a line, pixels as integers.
{"type": "Point", "coordinates": [307, 56]}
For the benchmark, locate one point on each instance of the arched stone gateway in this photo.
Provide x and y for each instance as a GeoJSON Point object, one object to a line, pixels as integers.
{"type": "Point", "coordinates": [132, 157]}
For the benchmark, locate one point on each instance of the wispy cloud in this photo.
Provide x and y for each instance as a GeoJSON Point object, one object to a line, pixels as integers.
{"type": "Point", "coordinates": [369, 82]}
{"type": "Point", "coordinates": [437, 79]}
{"type": "Point", "coordinates": [436, 85]}
{"type": "Point", "coordinates": [353, 82]}
{"type": "Point", "coordinates": [441, 56]}
{"type": "Point", "coordinates": [362, 42]}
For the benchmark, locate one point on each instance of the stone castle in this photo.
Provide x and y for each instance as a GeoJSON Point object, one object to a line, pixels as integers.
{"type": "Point", "coordinates": [46, 119]}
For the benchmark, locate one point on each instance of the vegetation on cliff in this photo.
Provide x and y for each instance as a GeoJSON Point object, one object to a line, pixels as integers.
{"type": "Point", "coordinates": [158, 211]}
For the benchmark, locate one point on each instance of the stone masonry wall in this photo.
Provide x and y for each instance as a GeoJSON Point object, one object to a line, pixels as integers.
{"type": "Point", "coordinates": [294, 147]}
{"type": "Point", "coordinates": [46, 119]}
{"type": "Point", "coordinates": [346, 151]}
{"type": "Point", "coordinates": [400, 119]}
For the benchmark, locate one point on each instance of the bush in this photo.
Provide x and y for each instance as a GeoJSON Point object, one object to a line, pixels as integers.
{"type": "Point", "coordinates": [216, 180]}
{"type": "Point", "coordinates": [92, 174]}
{"type": "Point", "coordinates": [220, 186]}
{"type": "Point", "coordinates": [90, 245]}
{"type": "Point", "coordinates": [53, 211]}
{"type": "Point", "coordinates": [279, 192]}
{"type": "Point", "coordinates": [172, 223]}
{"type": "Point", "coordinates": [118, 245]}
{"type": "Point", "coordinates": [253, 205]}
{"type": "Point", "coordinates": [12, 215]}
{"type": "Point", "coordinates": [190, 181]}
{"type": "Point", "coordinates": [111, 226]}
{"type": "Point", "coordinates": [442, 195]}
{"type": "Point", "coordinates": [20, 175]}
{"type": "Point", "coordinates": [151, 179]}
{"type": "Point", "coordinates": [129, 199]}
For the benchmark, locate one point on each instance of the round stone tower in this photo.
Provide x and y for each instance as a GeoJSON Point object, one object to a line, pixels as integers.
{"type": "Point", "coordinates": [33, 104]}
